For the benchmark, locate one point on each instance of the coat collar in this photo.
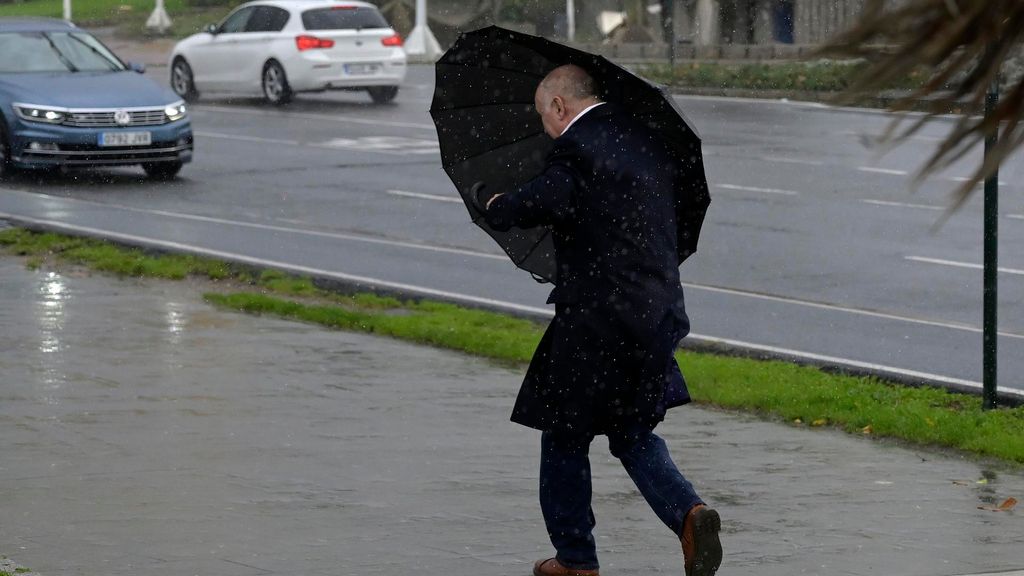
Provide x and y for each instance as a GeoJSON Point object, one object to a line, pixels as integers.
{"type": "Point", "coordinates": [604, 110]}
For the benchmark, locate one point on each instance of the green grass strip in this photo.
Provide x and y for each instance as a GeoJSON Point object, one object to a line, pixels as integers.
{"type": "Point", "coordinates": [776, 390]}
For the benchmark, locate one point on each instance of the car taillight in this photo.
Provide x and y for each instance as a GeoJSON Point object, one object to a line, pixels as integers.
{"type": "Point", "coordinates": [311, 42]}
{"type": "Point", "coordinates": [395, 40]}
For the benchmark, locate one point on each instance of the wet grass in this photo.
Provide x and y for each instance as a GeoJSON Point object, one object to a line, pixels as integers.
{"type": "Point", "coordinates": [129, 16]}
{"type": "Point", "coordinates": [799, 395]}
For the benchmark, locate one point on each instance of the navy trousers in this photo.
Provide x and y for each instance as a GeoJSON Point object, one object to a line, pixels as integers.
{"type": "Point", "coordinates": [565, 488]}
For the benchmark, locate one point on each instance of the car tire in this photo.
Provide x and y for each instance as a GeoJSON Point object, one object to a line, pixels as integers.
{"type": "Point", "coordinates": [275, 84]}
{"type": "Point", "coordinates": [162, 170]}
{"type": "Point", "coordinates": [182, 81]}
{"type": "Point", "coordinates": [383, 94]}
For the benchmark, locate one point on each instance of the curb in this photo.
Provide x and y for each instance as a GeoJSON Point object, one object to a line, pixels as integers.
{"type": "Point", "coordinates": [346, 284]}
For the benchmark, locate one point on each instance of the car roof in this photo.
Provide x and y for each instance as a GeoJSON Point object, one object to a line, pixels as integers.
{"type": "Point", "coordinates": [308, 4]}
{"type": "Point", "coordinates": [36, 25]}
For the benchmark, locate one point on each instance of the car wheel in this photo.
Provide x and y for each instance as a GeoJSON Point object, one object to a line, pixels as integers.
{"type": "Point", "coordinates": [383, 94]}
{"type": "Point", "coordinates": [182, 82]}
{"type": "Point", "coordinates": [162, 170]}
{"type": "Point", "coordinates": [275, 84]}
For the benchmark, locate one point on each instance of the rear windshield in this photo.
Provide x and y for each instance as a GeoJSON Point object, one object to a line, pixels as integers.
{"type": "Point", "coordinates": [343, 18]}
{"type": "Point", "coordinates": [54, 52]}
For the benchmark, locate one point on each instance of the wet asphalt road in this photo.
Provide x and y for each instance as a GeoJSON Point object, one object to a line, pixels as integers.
{"type": "Point", "coordinates": [813, 245]}
{"type": "Point", "coordinates": [147, 434]}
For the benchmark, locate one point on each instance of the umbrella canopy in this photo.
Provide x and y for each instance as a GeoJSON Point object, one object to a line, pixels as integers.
{"type": "Point", "coordinates": [489, 131]}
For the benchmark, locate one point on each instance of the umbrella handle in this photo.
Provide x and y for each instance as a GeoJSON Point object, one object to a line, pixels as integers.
{"type": "Point", "coordinates": [479, 196]}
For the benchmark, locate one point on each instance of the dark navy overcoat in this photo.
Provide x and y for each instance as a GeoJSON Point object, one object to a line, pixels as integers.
{"type": "Point", "coordinates": [606, 360]}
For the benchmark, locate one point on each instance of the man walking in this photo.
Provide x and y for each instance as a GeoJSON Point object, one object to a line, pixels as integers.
{"type": "Point", "coordinates": [605, 364]}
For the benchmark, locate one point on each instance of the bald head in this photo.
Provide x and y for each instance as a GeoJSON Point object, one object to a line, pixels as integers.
{"type": "Point", "coordinates": [562, 94]}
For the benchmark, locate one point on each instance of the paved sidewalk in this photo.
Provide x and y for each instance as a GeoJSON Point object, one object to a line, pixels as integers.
{"type": "Point", "coordinates": [146, 433]}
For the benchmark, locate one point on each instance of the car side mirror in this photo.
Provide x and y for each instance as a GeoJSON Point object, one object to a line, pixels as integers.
{"type": "Point", "coordinates": [137, 67]}
{"type": "Point", "coordinates": [211, 29]}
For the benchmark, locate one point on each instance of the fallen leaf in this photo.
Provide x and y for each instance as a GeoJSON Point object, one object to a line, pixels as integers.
{"type": "Point", "coordinates": [982, 481]}
{"type": "Point", "coordinates": [819, 422]}
{"type": "Point", "coordinates": [930, 422]}
{"type": "Point", "coordinates": [798, 421]}
{"type": "Point", "coordinates": [1006, 506]}
{"type": "Point", "coordinates": [961, 483]}
{"type": "Point", "coordinates": [867, 430]}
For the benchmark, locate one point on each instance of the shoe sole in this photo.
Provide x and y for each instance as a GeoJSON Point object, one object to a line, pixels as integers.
{"type": "Point", "coordinates": [707, 547]}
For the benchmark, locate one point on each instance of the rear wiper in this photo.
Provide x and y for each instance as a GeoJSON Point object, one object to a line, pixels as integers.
{"type": "Point", "coordinates": [63, 58]}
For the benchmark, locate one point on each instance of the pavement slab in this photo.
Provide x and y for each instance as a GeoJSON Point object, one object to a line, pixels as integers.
{"type": "Point", "coordinates": [147, 433]}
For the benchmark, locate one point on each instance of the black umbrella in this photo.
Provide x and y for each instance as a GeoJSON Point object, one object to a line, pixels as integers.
{"type": "Point", "coordinates": [489, 131]}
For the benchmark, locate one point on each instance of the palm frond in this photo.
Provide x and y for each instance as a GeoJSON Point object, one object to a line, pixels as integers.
{"type": "Point", "coordinates": [963, 44]}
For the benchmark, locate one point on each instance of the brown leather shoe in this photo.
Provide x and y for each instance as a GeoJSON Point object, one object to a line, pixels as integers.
{"type": "Point", "coordinates": [552, 567]}
{"type": "Point", "coordinates": [702, 551]}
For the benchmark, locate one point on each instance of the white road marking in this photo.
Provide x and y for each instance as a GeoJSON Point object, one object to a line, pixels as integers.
{"type": "Point", "coordinates": [319, 117]}
{"type": "Point", "coordinates": [901, 204]}
{"type": "Point", "coordinates": [241, 138]}
{"type": "Point", "coordinates": [1016, 216]}
{"type": "Point", "coordinates": [957, 264]}
{"type": "Point", "coordinates": [792, 161]}
{"type": "Point", "coordinates": [393, 144]}
{"type": "Point", "coordinates": [755, 189]}
{"type": "Point", "coordinates": [370, 282]}
{"type": "Point", "coordinates": [882, 170]}
{"type": "Point", "coordinates": [425, 196]}
{"type": "Point", "coordinates": [965, 179]}
{"type": "Point", "coordinates": [846, 309]}
{"type": "Point", "coordinates": [848, 362]}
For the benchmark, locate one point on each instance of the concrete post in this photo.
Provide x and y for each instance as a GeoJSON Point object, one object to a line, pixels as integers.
{"type": "Point", "coordinates": [159, 20]}
{"type": "Point", "coordinates": [706, 23]}
{"type": "Point", "coordinates": [421, 44]}
{"type": "Point", "coordinates": [67, 9]}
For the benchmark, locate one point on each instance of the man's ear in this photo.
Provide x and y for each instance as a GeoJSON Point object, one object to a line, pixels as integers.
{"type": "Point", "coordinates": [559, 105]}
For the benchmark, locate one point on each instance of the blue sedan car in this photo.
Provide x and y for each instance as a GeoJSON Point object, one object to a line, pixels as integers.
{"type": "Point", "coordinates": [67, 101]}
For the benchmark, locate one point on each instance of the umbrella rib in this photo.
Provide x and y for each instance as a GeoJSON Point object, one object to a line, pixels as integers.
{"type": "Point", "coordinates": [547, 232]}
{"type": "Point", "coordinates": [516, 141]}
{"type": "Point", "coordinates": [480, 106]}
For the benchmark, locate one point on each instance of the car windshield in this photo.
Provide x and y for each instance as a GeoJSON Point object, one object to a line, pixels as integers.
{"type": "Point", "coordinates": [55, 52]}
{"type": "Point", "coordinates": [343, 18]}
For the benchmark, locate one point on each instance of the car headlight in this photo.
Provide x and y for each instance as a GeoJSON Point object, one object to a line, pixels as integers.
{"type": "Point", "coordinates": [40, 113]}
{"type": "Point", "coordinates": [176, 111]}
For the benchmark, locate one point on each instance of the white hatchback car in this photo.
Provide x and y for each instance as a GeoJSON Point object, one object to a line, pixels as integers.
{"type": "Point", "coordinates": [280, 47]}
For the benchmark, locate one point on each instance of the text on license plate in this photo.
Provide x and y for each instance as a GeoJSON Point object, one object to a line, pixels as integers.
{"type": "Point", "coordinates": [126, 139]}
{"type": "Point", "coordinates": [358, 69]}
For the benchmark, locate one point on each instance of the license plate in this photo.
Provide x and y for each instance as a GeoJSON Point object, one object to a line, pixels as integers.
{"type": "Point", "coordinates": [126, 139]}
{"type": "Point", "coordinates": [361, 69]}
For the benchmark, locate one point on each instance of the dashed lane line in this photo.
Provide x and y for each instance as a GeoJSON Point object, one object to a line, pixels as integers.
{"type": "Point", "coordinates": [958, 264]}
{"type": "Point", "coordinates": [900, 204]}
{"type": "Point", "coordinates": [422, 196]}
{"type": "Point", "coordinates": [793, 161]}
{"type": "Point", "coordinates": [890, 171]}
{"type": "Point", "coordinates": [756, 189]}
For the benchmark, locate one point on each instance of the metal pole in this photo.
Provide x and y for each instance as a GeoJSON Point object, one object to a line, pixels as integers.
{"type": "Point", "coordinates": [668, 21]}
{"type": "Point", "coordinates": [570, 20]}
{"type": "Point", "coordinates": [67, 9]}
{"type": "Point", "coordinates": [991, 273]}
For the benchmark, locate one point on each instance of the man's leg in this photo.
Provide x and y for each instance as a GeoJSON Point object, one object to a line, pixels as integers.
{"type": "Point", "coordinates": [672, 497]}
{"type": "Point", "coordinates": [565, 493]}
